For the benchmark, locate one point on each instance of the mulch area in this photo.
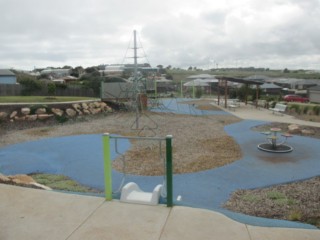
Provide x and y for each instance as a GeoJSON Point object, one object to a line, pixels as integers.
{"type": "Point", "coordinates": [298, 201]}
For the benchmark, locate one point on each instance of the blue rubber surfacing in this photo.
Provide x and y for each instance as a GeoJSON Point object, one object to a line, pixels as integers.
{"type": "Point", "coordinates": [80, 158]}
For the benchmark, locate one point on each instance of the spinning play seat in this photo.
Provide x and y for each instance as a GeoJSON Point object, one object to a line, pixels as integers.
{"type": "Point", "coordinates": [131, 193]}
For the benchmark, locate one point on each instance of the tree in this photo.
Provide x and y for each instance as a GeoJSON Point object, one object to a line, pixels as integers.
{"type": "Point", "coordinates": [77, 71]}
{"type": "Point", "coordinates": [51, 89]}
{"type": "Point", "coordinates": [91, 69]}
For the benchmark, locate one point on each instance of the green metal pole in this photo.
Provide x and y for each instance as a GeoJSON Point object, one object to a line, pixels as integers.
{"type": "Point", "coordinates": [181, 90]}
{"type": "Point", "coordinates": [169, 170]}
{"type": "Point", "coordinates": [193, 91]}
{"type": "Point", "coordinates": [155, 89]}
{"type": "Point", "coordinates": [107, 166]}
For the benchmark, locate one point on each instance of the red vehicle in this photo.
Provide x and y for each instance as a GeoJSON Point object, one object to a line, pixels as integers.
{"type": "Point", "coordinates": [295, 98]}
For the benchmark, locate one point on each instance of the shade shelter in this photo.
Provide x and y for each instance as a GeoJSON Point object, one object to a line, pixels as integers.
{"type": "Point", "coordinates": [223, 81]}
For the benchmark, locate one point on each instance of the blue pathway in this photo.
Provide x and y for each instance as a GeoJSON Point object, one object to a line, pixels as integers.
{"type": "Point", "coordinates": [80, 157]}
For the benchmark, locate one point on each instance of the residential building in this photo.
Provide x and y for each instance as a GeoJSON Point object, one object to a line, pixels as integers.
{"type": "Point", "coordinates": [7, 77]}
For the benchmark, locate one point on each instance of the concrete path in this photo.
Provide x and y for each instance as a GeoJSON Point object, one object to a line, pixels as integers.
{"type": "Point", "coordinates": [263, 114]}
{"type": "Point", "coordinates": [38, 214]}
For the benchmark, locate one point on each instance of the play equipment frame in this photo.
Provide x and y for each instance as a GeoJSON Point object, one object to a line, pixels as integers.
{"type": "Point", "coordinates": [108, 164]}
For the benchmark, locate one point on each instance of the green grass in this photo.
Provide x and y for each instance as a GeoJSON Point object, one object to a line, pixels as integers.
{"type": "Point", "coordinates": [60, 182]}
{"type": "Point", "coordinates": [250, 198]}
{"type": "Point", "coordinates": [40, 99]}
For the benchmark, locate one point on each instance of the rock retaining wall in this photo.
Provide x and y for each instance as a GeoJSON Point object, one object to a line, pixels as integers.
{"type": "Point", "coordinates": [42, 112]}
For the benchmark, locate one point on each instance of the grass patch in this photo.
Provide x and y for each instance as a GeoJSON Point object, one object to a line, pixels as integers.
{"type": "Point", "coordinates": [274, 195]}
{"type": "Point", "coordinates": [250, 198]}
{"type": "Point", "coordinates": [40, 99]}
{"type": "Point", "coordinates": [61, 182]}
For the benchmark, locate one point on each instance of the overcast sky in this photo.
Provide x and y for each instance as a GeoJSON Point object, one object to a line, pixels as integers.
{"type": "Point", "coordinates": [273, 34]}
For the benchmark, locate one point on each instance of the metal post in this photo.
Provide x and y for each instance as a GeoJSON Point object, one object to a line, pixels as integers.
{"type": "Point", "coordinates": [107, 166]}
{"type": "Point", "coordinates": [193, 91]}
{"type": "Point", "coordinates": [169, 170]}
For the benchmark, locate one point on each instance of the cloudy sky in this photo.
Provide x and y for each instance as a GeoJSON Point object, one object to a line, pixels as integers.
{"type": "Point", "coordinates": [273, 34]}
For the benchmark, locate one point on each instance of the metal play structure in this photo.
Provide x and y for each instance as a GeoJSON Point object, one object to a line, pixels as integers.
{"type": "Point", "coordinates": [131, 191]}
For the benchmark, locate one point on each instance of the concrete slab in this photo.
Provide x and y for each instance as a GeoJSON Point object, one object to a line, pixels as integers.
{"type": "Point", "coordinates": [261, 233]}
{"type": "Point", "coordinates": [263, 114]}
{"type": "Point", "coordinates": [191, 223]}
{"type": "Point", "coordinates": [37, 214]}
{"type": "Point", "coordinates": [116, 220]}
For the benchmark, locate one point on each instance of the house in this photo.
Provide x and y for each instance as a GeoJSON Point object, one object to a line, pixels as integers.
{"type": "Point", "coordinates": [314, 94]}
{"type": "Point", "coordinates": [270, 88]}
{"type": "Point", "coordinates": [56, 72]}
{"type": "Point", "coordinates": [112, 70]}
{"type": "Point", "coordinates": [7, 77]}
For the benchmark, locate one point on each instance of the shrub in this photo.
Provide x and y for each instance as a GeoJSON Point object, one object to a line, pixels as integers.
{"type": "Point", "coordinates": [51, 89]}
{"type": "Point", "coordinates": [295, 215]}
{"type": "Point", "coordinates": [316, 109]}
{"type": "Point", "coordinates": [61, 119]}
{"type": "Point", "coordinates": [198, 93]}
{"type": "Point", "coordinates": [305, 109]}
{"type": "Point", "coordinates": [30, 86]}
{"type": "Point", "coordinates": [34, 108]}
{"type": "Point", "coordinates": [296, 108]}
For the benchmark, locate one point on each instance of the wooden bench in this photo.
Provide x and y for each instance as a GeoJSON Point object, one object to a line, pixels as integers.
{"type": "Point", "coordinates": [279, 108]}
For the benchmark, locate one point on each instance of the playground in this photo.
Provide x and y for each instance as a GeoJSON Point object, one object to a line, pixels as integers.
{"type": "Point", "coordinates": [214, 154]}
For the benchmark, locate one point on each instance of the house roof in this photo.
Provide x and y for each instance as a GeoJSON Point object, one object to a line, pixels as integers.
{"type": "Point", "coordinates": [241, 80]}
{"type": "Point", "coordinates": [6, 72]}
{"type": "Point", "coordinates": [270, 86]}
{"type": "Point", "coordinates": [202, 76]}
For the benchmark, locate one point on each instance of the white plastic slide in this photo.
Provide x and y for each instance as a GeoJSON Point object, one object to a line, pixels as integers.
{"type": "Point", "coordinates": [131, 193]}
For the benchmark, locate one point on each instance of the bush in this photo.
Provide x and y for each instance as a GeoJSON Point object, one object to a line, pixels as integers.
{"type": "Point", "coordinates": [198, 93]}
{"type": "Point", "coordinates": [61, 119]}
{"type": "Point", "coordinates": [34, 108]}
{"type": "Point", "coordinates": [316, 109]}
{"type": "Point", "coordinates": [296, 108]}
{"type": "Point", "coordinates": [30, 86]}
{"type": "Point", "coordinates": [51, 89]}
{"type": "Point", "coordinates": [305, 109]}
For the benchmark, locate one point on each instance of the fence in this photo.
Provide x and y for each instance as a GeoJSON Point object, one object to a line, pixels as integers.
{"type": "Point", "coordinates": [17, 90]}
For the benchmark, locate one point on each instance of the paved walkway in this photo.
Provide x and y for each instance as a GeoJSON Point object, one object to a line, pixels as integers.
{"type": "Point", "coordinates": [252, 113]}
{"type": "Point", "coordinates": [37, 214]}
